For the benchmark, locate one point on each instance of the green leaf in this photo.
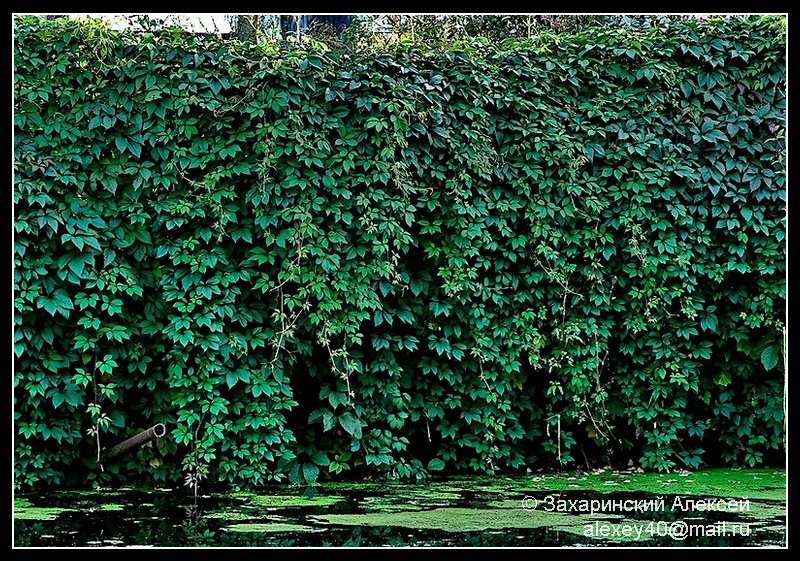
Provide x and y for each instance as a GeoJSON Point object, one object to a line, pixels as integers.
{"type": "Point", "coordinates": [435, 465]}
{"type": "Point", "coordinates": [73, 398]}
{"type": "Point", "coordinates": [77, 264]}
{"type": "Point", "coordinates": [770, 356]}
{"type": "Point", "coordinates": [417, 286]}
{"type": "Point", "coordinates": [351, 424]}
{"type": "Point", "coordinates": [328, 421]}
{"type": "Point", "coordinates": [310, 472]}
{"type": "Point", "coordinates": [709, 323]}
{"type": "Point", "coordinates": [320, 458]}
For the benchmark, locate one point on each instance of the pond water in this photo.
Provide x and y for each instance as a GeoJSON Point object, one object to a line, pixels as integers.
{"type": "Point", "coordinates": [705, 508]}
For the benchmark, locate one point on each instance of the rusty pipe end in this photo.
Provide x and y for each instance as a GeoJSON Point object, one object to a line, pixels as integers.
{"type": "Point", "coordinates": [154, 432]}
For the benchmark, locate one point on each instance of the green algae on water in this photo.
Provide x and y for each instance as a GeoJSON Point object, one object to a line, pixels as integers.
{"type": "Point", "coordinates": [480, 510]}
{"type": "Point", "coordinates": [228, 515]}
{"type": "Point", "coordinates": [270, 527]}
{"type": "Point", "coordinates": [392, 504]}
{"type": "Point", "coordinates": [457, 519]}
{"type": "Point", "coordinates": [429, 489]}
{"type": "Point", "coordinates": [755, 483]}
{"type": "Point", "coordinates": [288, 501]}
{"type": "Point", "coordinates": [24, 510]}
{"type": "Point", "coordinates": [100, 494]}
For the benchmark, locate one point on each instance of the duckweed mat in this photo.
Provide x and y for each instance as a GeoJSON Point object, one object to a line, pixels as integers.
{"type": "Point", "coordinates": [724, 507]}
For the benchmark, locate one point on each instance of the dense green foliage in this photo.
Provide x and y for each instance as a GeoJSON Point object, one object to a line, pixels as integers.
{"type": "Point", "coordinates": [562, 251]}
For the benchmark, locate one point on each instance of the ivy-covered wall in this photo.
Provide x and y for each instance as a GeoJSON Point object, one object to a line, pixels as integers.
{"type": "Point", "coordinates": [561, 252]}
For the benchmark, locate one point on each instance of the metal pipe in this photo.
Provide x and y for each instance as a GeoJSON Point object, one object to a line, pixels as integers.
{"type": "Point", "coordinates": [156, 431]}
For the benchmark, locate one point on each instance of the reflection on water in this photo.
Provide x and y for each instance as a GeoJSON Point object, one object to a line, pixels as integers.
{"type": "Point", "coordinates": [377, 515]}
